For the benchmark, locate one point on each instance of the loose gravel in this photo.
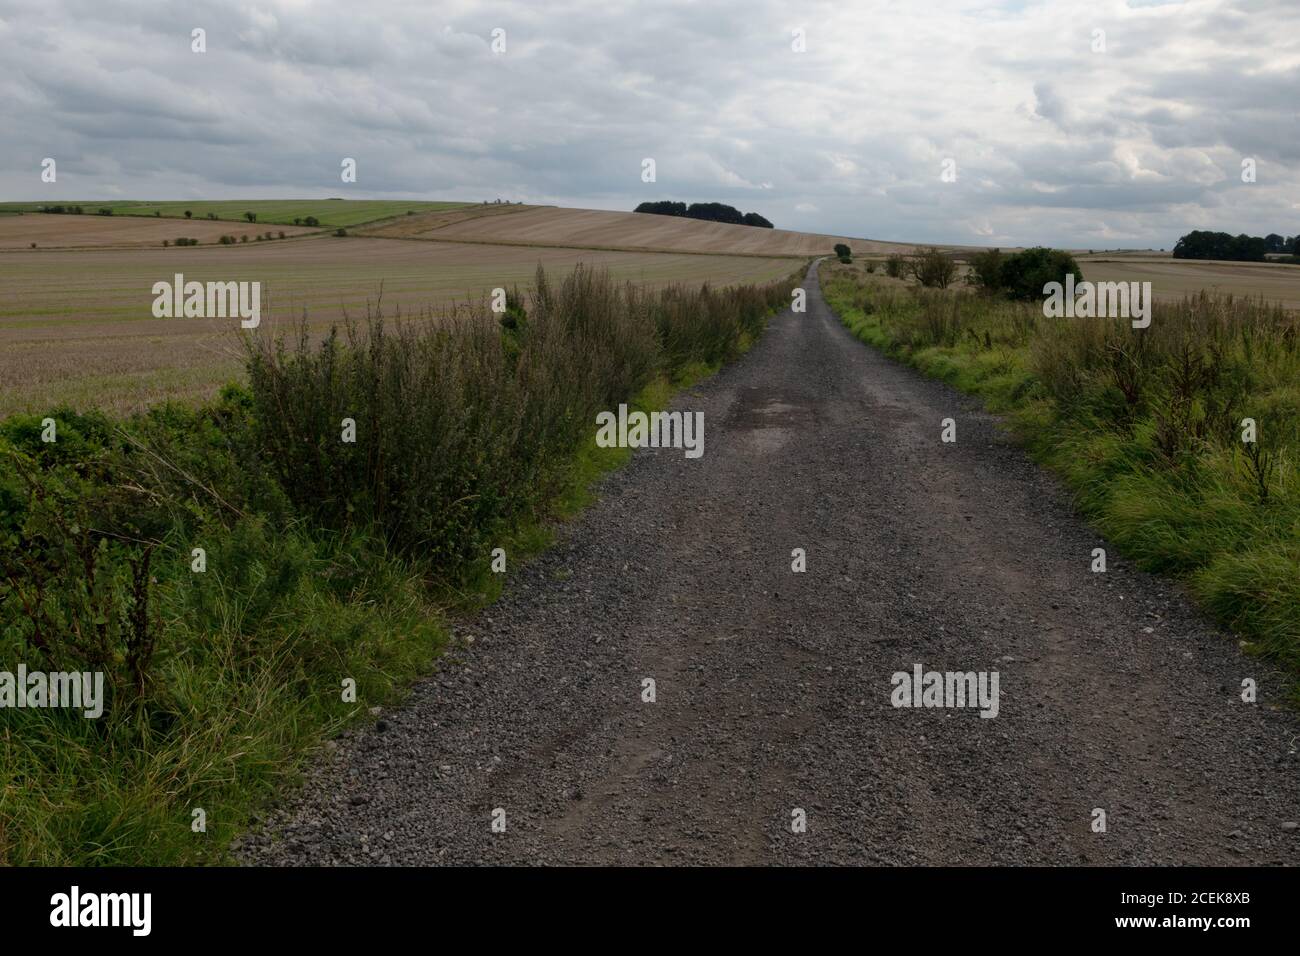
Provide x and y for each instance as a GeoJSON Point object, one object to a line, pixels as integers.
{"type": "Point", "coordinates": [772, 689]}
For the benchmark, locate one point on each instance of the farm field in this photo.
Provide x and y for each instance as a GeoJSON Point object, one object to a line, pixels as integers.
{"type": "Point", "coordinates": [1172, 279]}
{"type": "Point", "coordinates": [600, 229]}
{"type": "Point", "coordinates": [330, 212]}
{"type": "Point", "coordinates": [77, 326]}
{"type": "Point", "coordinates": [71, 232]}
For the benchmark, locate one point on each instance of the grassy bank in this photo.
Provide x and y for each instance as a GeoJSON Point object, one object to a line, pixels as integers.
{"type": "Point", "coordinates": [248, 579]}
{"type": "Point", "coordinates": [1146, 427]}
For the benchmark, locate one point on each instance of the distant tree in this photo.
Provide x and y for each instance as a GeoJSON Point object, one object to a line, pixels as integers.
{"type": "Point", "coordinates": [706, 211]}
{"type": "Point", "coordinates": [986, 270]}
{"type": "Point", "coordinates": [843, 251]}
{"type": "Point", "coordinates": [1201, 244]}
{"type": "Point", "coordinates": [1024, 274]}
{"type": "Point", "coordinates": [934, 268]}
{"type": "Point", "coordinates": [665, 208]}
{"type": "Point", "coordinates": [313, 221]}
{"type": "Point", "coordinates": [895, 266]}
{"type": "Point", "coordinates": [1275, 243]}
{"type": "Point", "coordinates": [189, 214]}
{"type": "Point", "coordinates": [251, 216]}
{"type": "Point", "coordinates": [105, 211]}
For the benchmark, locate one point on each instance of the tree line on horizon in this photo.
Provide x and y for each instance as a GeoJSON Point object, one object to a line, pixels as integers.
{"type": "Point", "coordinates": [706, 211]}
{"type": "Point", "coordinates": [1203, 244]}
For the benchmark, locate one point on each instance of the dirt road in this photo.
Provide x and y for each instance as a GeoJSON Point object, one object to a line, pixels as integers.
{"type": "Point", "coordinates": [773, 688]}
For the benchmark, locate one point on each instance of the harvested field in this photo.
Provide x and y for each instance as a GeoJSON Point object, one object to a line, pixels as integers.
{"type": "Point", "coordinates": [330, 212]}
{"type": "Point", "coordinates": [77, 326]}
{"type": "Point", "coordinates": [1172, 279]}
{"type": "Point", "coordinates": [598, 229]}
{"type": "Point", "coordinates": [73, 232]}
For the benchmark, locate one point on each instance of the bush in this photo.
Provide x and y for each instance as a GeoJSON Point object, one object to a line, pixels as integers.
{"type": "Point", "coordinates": [986, 270]}
{"type": "Point", "coordinates": [311, 221]}
{"type": "Point", "coordinates": [933, 268]}
{"type": "Point", "coordinates": [105, 211]}
{"type": "Point", "coordinates": [896, 266]}
{"type": "Point", "coordinates": [340, 231]}
{"type": "Point", "coordinates": [843, 251]}
{"type": "Point", "coordinates": [189, 214]}
{"type": "Point", "coordinates": [251, 216]}
{"type": "Point", "coordinates": [1024, 274]}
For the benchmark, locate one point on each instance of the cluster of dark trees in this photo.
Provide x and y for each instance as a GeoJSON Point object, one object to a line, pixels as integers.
{"type": "Point", "coordinates": [1200, 244]}
{"type": "Point", "coordinates": [708, 211]}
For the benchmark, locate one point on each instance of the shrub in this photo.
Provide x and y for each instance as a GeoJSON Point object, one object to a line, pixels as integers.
{"type": "Point", "coordinates": [189, 214]}
{"type": "Point", "coordinates": [105, 211]}
{"type": "Point", "coordinates": [1024, 274]}
{"type": "Point", "coordinates": [933, 268]}
{"type": "Point", "coordinates": [281, 234]}
{"type": "Point", "coordinates": [251, 216]}
{"type": "Point", "coordinates": [340, 231]}
{"type": "Point", "coordinates": [896, 266]}
{"type": "Point", "coordinates": [986, 270]}
{"type": "Point", "coordinates": [843, 251]}
{"type": "Point", "coordinates": [311, 221]}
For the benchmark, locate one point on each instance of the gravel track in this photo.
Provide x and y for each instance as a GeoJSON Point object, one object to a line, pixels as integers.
{"type": "Point", "coordinates": [773, 687]}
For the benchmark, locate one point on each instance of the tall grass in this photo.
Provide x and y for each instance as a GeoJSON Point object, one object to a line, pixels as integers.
{"type": "Point", "coordinates": [1146, 426]}
{"type": "Point", "coordinates": [326, 561]}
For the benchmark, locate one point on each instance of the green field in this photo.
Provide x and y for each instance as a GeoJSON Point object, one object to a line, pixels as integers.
{"type": "Point", "coordinates": [330, 212]}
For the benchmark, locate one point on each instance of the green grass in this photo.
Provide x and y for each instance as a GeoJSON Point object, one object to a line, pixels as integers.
{"type": "Point", "coordinates": [1162, 473]}
{"type": "Point", "coordinates": [325, 562]}
{"type": "Point", "coordinates": [282, 212]}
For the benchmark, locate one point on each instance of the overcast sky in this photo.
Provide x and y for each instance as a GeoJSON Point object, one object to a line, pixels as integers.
{"type": "Point", "coordinates": [1052, 142]}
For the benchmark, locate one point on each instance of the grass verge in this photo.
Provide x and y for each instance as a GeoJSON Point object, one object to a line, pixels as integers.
{"type": "Point", "coordinates": [249, 576]}
{"type": "Point", "coordinates": [1147, 427]}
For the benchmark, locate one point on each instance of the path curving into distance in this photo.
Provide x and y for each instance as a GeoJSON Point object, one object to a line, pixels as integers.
{"type": "Point", "coordinates": [773, 689]}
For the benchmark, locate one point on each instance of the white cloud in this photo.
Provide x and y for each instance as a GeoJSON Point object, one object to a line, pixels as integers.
{"type": "Point", "coordinates": [1053, 142]}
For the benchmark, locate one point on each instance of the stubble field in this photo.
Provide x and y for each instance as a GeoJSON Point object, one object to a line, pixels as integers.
{"type": "Point", "coordinates": [77, 326]}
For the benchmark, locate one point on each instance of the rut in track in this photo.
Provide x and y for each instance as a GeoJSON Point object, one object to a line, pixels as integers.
{"type": "Point", "coordinates": [773, 688]}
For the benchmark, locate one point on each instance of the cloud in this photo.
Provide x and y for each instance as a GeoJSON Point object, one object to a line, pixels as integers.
{"type": "Point", "coordinates": [1053, 142]}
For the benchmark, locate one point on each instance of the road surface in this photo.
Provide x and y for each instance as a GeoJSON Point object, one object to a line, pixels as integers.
{"type": "Point", "coordinates": [772, 688]}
